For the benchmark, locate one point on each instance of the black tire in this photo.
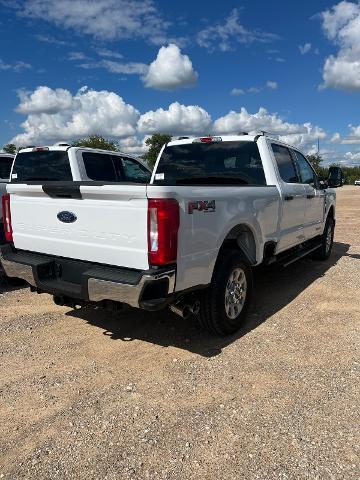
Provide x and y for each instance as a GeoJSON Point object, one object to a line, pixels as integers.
{"type": "Point", "coordinates": [327, 240]}
{"type": "Point", "coordinates": [215, 312]}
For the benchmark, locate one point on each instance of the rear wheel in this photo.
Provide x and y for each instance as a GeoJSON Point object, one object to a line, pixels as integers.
{"type": "Point", "coordinates": [327, 240]}
{"type": "Point", "coordinates": [224, 304]}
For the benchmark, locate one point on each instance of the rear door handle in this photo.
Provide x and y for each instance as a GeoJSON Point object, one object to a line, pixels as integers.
{"type": "Point", "coordinates": [289, 197]}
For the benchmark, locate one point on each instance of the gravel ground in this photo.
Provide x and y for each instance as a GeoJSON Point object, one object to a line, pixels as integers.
{"type": "Point", "coordinates": [88, 395]}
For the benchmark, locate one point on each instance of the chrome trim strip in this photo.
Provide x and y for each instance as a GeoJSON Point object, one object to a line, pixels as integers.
{"type": "Point", "coordinates": [99, 290]}
{"type": "Point", "coordinates": [18, 270]}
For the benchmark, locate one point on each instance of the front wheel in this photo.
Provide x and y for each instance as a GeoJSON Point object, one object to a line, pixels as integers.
{"type": "Point", "coordinates": [327, 240]}
{"type": "Point", "coordinates": [224, 304]}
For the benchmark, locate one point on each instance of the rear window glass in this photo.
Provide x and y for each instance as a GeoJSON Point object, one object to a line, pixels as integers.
{"type": "Point", "coordinates": [5, 167]}
{"type": "Point", "coordinates": [100, 167]}
{"type": "Point", "coordinates": [220, 163]}
{"type": "Point", "coordinates": [104, 167]}
{"type": "Point", "coordinates": [134, 171]}
{"type": "Point", "coordinates": [42, 166]}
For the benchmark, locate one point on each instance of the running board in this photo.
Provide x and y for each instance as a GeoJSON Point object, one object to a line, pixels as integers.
{"type": "Point", "coordinates": [288, 259]}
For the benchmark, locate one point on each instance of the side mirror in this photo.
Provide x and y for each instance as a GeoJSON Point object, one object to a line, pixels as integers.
{"type": "Point", "coordinates": [323, 183]}
{"type": "Point", "coordinates": [336, 177]}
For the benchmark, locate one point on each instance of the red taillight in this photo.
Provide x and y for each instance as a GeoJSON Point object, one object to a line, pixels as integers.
{"type": "Point", "coordinates": [163, 226]}
{"type": "Point", "coordinates": [7, 217]}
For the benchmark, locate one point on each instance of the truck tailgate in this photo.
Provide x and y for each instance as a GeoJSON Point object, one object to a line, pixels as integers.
{"type": "Point", "coordinates": [107, 223]}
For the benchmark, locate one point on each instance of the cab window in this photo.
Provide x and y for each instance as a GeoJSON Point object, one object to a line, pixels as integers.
{"type": "Point", "coordinates": [285, 164]}
{"type": "Point", "coordinates": [307, 174]}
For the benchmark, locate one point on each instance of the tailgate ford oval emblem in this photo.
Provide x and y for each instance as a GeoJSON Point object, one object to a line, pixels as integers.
{"type": "Point", "coordinates": [67, 217]}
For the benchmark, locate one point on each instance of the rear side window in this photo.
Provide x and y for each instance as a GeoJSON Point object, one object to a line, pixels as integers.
{"type": "Point", "coordinates": [5, 167]}
{"type": "Point", "coordinates": [42, 166]}
{"type": "Point", "coordinates": [219, 163]}
{"type": "Point", "coordinates": [100, 167]}
{"type": "Point", "coordinates": [134, 171]}
{"type": "Point", "coordinates": [285, 164]}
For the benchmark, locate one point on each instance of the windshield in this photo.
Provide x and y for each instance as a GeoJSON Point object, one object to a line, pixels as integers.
{"type": "Point", "coordinates": [5, 167]}
{"type": "Point", "coordinates": [220, 163]}
{"type": "Point", "coordinates": [42, 166]}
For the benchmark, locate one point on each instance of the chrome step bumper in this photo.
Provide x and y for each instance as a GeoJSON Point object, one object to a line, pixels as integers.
{"type": "Point", "coordinates": [82, 280]}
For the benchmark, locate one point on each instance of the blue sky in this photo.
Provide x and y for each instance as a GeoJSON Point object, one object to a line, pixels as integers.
{"type": "Point", "coordinates": [289, 67]}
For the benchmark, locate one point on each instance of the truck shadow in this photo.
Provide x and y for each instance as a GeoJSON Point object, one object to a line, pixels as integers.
{"type": "Point", "coordinates": [275, 287]}
{"type": "Point", "coordinates": [11, 284]}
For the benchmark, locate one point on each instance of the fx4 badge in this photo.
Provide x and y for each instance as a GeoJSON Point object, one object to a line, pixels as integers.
{"type": "Point", "coordinates": [202, 206]}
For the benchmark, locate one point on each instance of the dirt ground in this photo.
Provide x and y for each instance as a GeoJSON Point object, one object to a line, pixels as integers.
{"type": "Point", "coordinates": [91, 395]}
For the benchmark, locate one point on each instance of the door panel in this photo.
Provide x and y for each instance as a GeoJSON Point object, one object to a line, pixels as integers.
{"type": "Point", "coordinates": [292, 216]}
{"type": "Point", "coordinates": [315, 198]}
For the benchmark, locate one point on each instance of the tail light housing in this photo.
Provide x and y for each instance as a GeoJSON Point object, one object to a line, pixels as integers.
{"type": "Point", "coordinates": [7, 217]}
{"type": "Point", "coordinates": [163, 226]}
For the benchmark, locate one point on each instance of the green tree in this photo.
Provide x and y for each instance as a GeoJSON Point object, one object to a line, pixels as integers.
{"type": "Point", "coordinates": [10, 148]}
{"type": "Point", "coordinates": [96, 141]}
{"type": "Point", "coordinates": [155, 143]}
{"type": "Point", "coordinates": [315, 161]}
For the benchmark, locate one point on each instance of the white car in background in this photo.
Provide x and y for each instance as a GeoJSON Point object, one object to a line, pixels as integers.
{"type": "Point", "coordinates": [357, 182]}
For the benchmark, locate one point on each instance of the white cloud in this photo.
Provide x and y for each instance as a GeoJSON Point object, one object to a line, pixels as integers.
{"type": "Point", "coordinates": [44, 100]}
{"type": "Point", "coordinates": [272, 85]}
{"type": "Point", "coordinates": [85, 113]}
{"type": "Point", "coordinates": [244, 121]}
{"type": "Point", "coordinates": [15, 67]}
{"type": "Point", "coordinates": [237, 91]}
{"type": "Point", "coordinates": [105, 52]}
{"type": "Point", "coordinates": [352, 158]}
{"type": "Point", "coordinates": [336, 138]}
{"type": "Point", "coordinates": [254, 90]}
{"type": "Point", "coordinates": [304, 49]}
{"type": "Point", "coordinates": [54, 114]}
{"type": "Point", "coordinates": [224, 36]}
{"type": "Point", "coordinates": [177, 119]}
{"type": "Point", "coordinates": [240, 91]}
{"type": "Point", "coordinates": [129, 68]}
{"type": "Point", "coordinates": [52, 40]}
{"type": "Point", "coordinates": [77, 56]}
{"type": "Point", "coordinates": [341, 24]}
{"type": "Point", "coordinates": [352, 138]}
{"type": "Point", "coordinates": [134, 145]}
{"type": "Point", "coordinates": [171, 69]}
{"type": "Point", "coordinates": [306, 140]}
{"type": "Point", "coordinates": [104, 19]}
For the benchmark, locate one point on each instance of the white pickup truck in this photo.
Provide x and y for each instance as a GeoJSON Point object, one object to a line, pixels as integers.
{"type": "Point", "coordinates": [214, 208]}
{"type": "Point", "coordinates": [6, 160]}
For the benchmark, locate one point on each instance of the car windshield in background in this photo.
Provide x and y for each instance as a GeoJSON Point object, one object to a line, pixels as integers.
{"type": "Point", "coordinates": [5, 167]}
{"type": "Point", "coordinates": [219, 163]}
{"type": "Point", "coordinates": [42, 166]}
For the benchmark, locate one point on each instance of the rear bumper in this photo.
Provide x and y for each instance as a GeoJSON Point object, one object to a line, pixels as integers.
{"type": "Point", "coordinates": [89, 282]}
